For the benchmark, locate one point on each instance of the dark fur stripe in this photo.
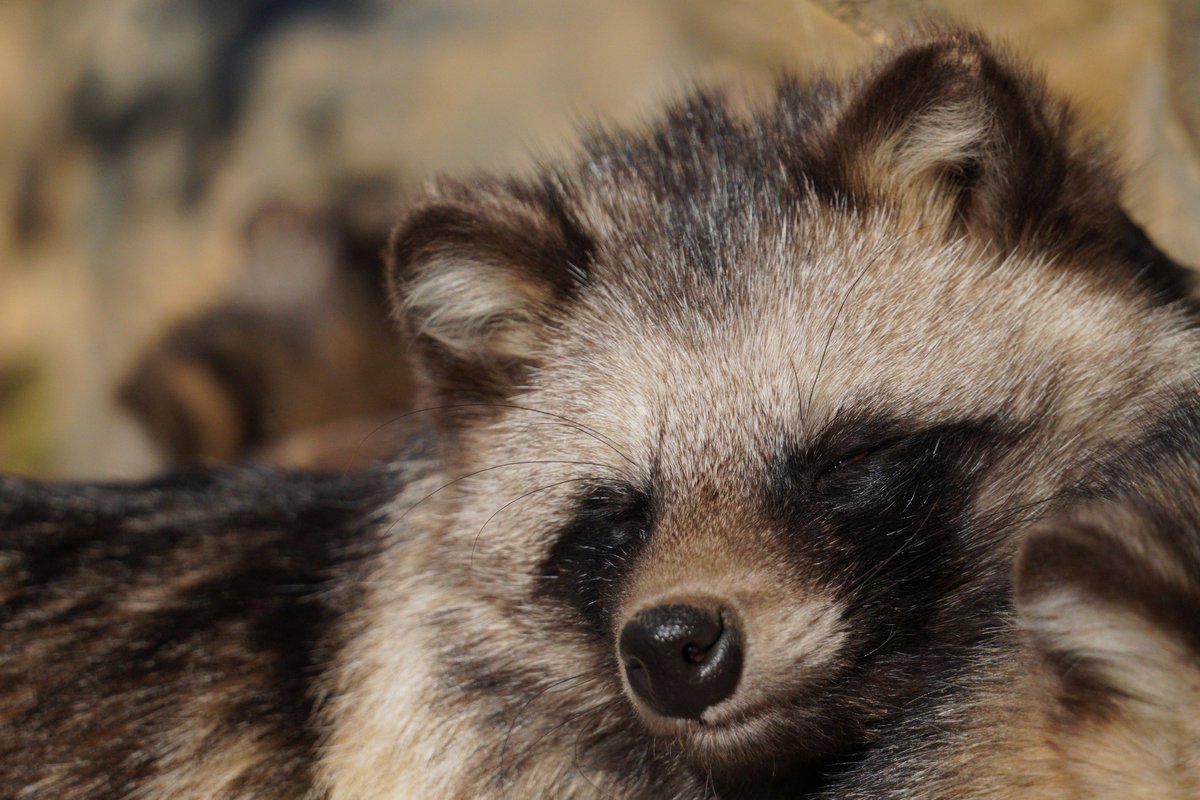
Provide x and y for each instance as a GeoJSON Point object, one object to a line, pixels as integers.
{"type": "Point", "coordinates": [235, 571]}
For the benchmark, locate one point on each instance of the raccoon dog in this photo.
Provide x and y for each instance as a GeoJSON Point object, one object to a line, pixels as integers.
{"type": "Point", "coordinates": [737, 423]}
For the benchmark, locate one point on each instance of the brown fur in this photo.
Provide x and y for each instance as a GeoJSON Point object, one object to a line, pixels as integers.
{"type": "Point", "coordinates": [822, 365]}
{"type": "Point", "coordinates": [1096, 694]}
{"type": "Point", "coordinates": [717, 315]}
{"type": "Point", "coordinates": [299, 365]}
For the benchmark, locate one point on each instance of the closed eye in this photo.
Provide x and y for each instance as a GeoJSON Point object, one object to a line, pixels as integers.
{"type": "Point", "coordinates": [850, 460]}
{"type": "Point", "coordinates": [856, 461]}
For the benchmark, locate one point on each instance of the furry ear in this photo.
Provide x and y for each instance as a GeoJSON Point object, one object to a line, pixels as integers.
{"type": "Point", "coordinates": [476, 273]}
{"type": "Point", "coordinates": [953, 136]}
{"type": "Point", "coordinates": [952, 133]}
{"type": "Point", "coordinates": [1110, 598]}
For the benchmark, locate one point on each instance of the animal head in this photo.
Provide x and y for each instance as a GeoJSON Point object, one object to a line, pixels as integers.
{"type": "Point", "coordinates": [299, 350]}
{"type": "Point", "coordinates": [742, 412]}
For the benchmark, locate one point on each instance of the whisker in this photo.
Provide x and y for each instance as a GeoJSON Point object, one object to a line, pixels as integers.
{"type": "Point", "coordinates": [473, 474]}
{"type": "Point", "coordinates": [833, 326]}
{"type": "Point", "coordinates": [575, 752]}
{"type": "Point", "coordinates": [563, 420]}
{"type": "Point", "coordinates": [802, 418]}
{"type": "Point", "coordinates": [571, 718]}
{"type": "Point", "coordinates": [518, 498]}
{"type": "Point", "coordinates": [912, 538]}
{"type": "Point", "coordinates": [579, 426]}
{"type": "Point", "coordinates": [512, 726]}
{"type": "Point", "coordinates": [1003, 519]}
{"type": "Point", "coordinates": [989, 525]}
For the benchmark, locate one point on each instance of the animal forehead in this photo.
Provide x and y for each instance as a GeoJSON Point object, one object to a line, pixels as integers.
{"type": "Point", "coordinates": [943, 325]}
{"type": "Point", "coordinates": [716, 404]}
{"type": "Point", "coordinates": [799, 264]}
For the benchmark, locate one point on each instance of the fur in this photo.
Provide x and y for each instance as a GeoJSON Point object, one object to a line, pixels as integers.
{"type": "Point", "coordinates": [161, 640]}
{"type": "Point", "coordinates": [1093, 692]}
{"type": "Point", "coordinates": [299, 363]}
{"type": "Point", "coordinates": [824, 364]}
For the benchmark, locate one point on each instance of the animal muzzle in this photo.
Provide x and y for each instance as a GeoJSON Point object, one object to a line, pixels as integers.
{"type": "Point", "coordinates": [682, 658]}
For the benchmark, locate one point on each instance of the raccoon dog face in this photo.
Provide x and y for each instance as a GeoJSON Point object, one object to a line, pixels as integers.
{"type": "Point", "coordinates": [743, 411]}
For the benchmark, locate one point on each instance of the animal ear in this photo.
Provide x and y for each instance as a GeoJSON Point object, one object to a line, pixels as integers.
{"type": "Point", "coordinates": [948, 131]}
{"type": "Point", "coordinates": [476, 274]}
{"type": "Point", "coordinates": [1111, 605]}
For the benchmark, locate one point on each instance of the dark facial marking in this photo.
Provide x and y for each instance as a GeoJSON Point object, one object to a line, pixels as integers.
{"type": "Point", "coordinates": [596, 549]}
{"type": "Point", "coordinates": [879, 494]}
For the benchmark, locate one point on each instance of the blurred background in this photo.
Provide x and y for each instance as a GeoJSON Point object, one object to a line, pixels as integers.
{"type": "Point", "coordinates": [193, 191]}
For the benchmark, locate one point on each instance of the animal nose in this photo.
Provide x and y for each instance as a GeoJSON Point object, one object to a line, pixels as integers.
{"type": "Point", "coordinates": [681, 659]}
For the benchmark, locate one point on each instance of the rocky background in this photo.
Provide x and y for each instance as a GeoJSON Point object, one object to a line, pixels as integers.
{"type": "Point", "coordinates": [143, 142]}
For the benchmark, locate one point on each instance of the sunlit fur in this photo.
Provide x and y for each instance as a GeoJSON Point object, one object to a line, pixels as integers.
{"type": "Point", "coordinates": [701, 304]}
{"type": "Point", "coordinates": [823, 364]}
{"type": "Point", "coordinates": [1095, 694]}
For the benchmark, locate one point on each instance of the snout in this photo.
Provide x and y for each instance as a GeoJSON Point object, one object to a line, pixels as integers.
{"type": "Point", "coordinates": [682, 658]}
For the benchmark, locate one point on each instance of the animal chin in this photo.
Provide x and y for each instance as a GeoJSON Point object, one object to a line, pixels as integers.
{"type": "Point", "coordinates": [746, 739]}
{"type": "Point", "coordinates": [744, 736]}
{"type": "Point", "coordinates": [723, 736]}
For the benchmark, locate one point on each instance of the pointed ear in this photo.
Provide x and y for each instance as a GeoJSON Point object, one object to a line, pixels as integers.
{"type": "Point", "coordinates": [1111, 605]}
{"type": "Point", "coordinates": [476, 274]}
{"type": "Point", "coordinates": [949, 132]}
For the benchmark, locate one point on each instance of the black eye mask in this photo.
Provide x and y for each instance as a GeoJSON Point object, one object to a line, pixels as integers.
{"type": "Point", "coordinates": [611, 525]}
{"type": "Point", "coordinates": [869, 490]}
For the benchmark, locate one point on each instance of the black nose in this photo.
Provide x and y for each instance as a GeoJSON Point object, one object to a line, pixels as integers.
{"type": "Point", "coordinates": [681, 659]}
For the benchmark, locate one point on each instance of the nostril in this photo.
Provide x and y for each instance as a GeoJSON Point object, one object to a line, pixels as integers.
{"type": "Point", "coordinates": [680, 659]}
{"type": "Point", "coordinates": [695, 653]}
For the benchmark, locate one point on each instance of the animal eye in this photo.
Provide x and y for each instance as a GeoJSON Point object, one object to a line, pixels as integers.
{"type": "Point", "coordinates": [856, 469]}
{"type": "Point", "coordinates": [888, 471]}
{"type": "Point", "coordinates": [858, 456]}
{"type": "Point", "coordinates": [850, 460]}
{"type": "Point", "coordinates": [590, 556]}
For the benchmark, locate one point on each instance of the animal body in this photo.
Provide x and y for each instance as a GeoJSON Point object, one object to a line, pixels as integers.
{"type": "Point", "coordinates": [299, 363]}
{"type": "Point", "coordinates": [735, 426]}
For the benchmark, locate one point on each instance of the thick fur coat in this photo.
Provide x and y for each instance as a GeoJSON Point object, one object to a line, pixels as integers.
{"type": "Point", "coordinates": [821, 365]}
{"type": "Point", "coordinates": [1094, 694]}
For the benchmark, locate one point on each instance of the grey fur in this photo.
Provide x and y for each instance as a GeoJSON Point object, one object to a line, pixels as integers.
{"type": "Point", "coordinates": [825, 363]}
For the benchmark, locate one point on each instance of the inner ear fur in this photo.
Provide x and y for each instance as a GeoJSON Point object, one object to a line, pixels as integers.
{"type": "Point", "coordinates": [475, 274]}
{"type": "Point", "coordinates": [949, 131]}
{"type": "Point", "coordinates": [1110, 607]}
